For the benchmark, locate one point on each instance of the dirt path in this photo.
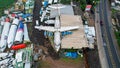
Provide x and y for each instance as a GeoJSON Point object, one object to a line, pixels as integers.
{"type": "Point", "coordinates": [37, 36]}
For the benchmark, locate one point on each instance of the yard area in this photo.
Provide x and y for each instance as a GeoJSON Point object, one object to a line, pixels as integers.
{"type": "Point", "coordinates": [62, 63]}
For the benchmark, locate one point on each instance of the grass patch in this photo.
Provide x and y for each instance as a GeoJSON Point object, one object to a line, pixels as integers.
{"type": "Point", "coordinates": [70, 60]}
{"type": "Point", "coordinates": [43, 64]}
{"type": "Point", "coordinates": [51, 38]}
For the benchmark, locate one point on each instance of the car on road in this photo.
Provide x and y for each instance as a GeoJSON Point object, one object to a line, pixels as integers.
{"type": "Point", "coordinates": [104, 44]}
{"type": "Point", "coordinates": [101, 23]}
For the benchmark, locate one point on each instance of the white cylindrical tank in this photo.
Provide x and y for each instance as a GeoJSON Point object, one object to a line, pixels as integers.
{"type": "Point", "coordinates": [4, 62]}
{"type": "Point", "coordinates": [3, 41]}
{"type": "Point", "coordinates": [2, 23]}
{"type": "Point", "coordinates": [26, 36]}
{"type": "Point", "coordinates": [5, 55]}
{"type": "Point", "coordinates": [0, 28]}
{"type": "Point", "coordinates": [55, 1]}
{"type": "Point", "coordinates": [12, 32]}
{"type": "Point", "coordinates": [15, 21]}
{"type": "Point", "coordinates": [19, 34]}
{"type": "Point", "coordinates": [11, 35]}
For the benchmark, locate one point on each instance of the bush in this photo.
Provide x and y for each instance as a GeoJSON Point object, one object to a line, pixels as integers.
{"type": "Point", "coordinates": [118, 40]}
{"type": "Point", "coordinates": [117, 35]}
{"type": "Point", "coordinates": [82, 4]}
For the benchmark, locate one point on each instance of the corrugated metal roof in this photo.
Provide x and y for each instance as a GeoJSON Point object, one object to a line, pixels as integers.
{"type": "Point", "coordinates": [77, 39]}
{"type": "Point", "coordinates": [68, 10]}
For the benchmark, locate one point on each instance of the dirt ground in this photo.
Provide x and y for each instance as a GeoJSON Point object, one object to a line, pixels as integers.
{"type": "Point", "coordinates": [48, 62]}
{"type": "Point", "coordinates": [52, 59]}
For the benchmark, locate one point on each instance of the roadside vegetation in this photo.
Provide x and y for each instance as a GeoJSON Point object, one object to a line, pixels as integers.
{"type": "Point", "coordinates": [65, 1]}
{"type": "Point", "coordinates": [81, 3]}
{"type": "Point", "coordinates": [114, 12]}
{"type": "Point", "coordinates": [115, 17]}
{"type": "Point", "coordinates": [118, 37]}
{"type": "Point", "coordinates": [5, 4]}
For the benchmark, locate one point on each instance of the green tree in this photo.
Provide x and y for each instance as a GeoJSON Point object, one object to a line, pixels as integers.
{"type": "Point", "coordinates": [82, 4]}
{"type": "Point", "coordinates": [65, 1]}
{"type": "Point", "coordinates": [5, 4]}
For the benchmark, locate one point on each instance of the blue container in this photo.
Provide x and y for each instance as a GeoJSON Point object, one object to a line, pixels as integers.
{"type": "Point", "coordinates": [26, 15]}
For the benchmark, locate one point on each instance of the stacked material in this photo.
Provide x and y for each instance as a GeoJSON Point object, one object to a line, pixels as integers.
{"type": "Point", "coordinates": [15, 52]}
{"type": "Point", "coordinates": [13, 33]}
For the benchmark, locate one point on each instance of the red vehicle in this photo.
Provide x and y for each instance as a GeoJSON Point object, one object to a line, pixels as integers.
{"type": "Point", "coordinates": [18, 46]}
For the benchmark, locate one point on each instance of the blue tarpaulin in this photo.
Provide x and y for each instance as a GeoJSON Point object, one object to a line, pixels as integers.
{"type": "Point", "coordinates": [66, 33]}
{"type": "Point", "coordinates": [41, 11]}
{"type": "Point", "coordinates": [21, 25]}
{"type": "Point", "coordinates": [48, 33]}
{"type": "Point", "coordinates": [26, 15]}
{"type": "Point", "coordinates": [71, 54]}
{"type": "Point", "coordinates": [45, 3]}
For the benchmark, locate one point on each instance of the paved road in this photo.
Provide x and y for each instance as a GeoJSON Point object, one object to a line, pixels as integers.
{"type": "Point", "coordinates": [106, 22]}
{"type": "Point", "coordinates": [103, 36]}
{"type": "Point", "coordinates": [101, 47]}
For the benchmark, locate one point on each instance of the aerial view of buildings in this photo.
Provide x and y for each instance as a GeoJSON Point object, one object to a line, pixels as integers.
{"type": "Point", "coordinates": [59, 33]}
